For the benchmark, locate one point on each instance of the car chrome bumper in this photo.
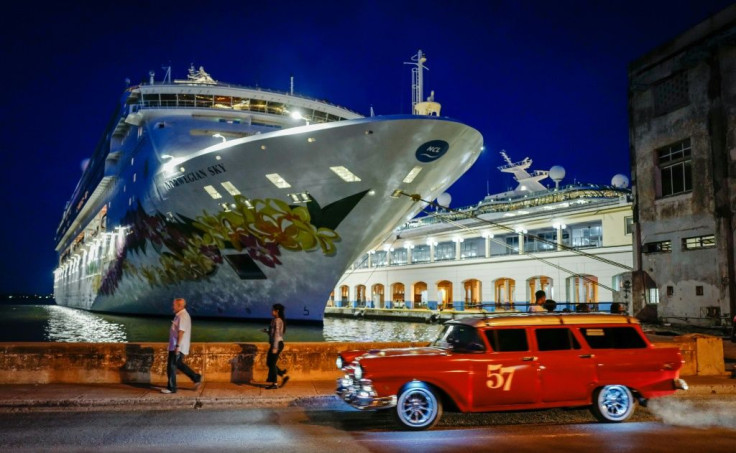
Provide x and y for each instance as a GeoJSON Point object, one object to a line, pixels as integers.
{"type": "Point", "coordinates": [360, 394]}
{"type": "Point", "coordinates": [680, 384]}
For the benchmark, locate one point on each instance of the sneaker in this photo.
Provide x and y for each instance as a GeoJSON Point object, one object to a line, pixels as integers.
{"type": "Point", "coordinates": [286, 379]}
{"type": "Point", "coordinates": [167, 391]}
{"type": "Point", "coordinates": [272, 387]}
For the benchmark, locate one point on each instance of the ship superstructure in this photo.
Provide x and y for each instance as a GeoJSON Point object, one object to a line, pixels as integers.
{"type": "Point", "coordinates": [574, 242]}
{"type": "Point", "coordinates": [237, 198]}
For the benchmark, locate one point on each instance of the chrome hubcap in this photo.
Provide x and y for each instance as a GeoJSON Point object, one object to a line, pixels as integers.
{"type": "Point", "coordinates": [418, 407]}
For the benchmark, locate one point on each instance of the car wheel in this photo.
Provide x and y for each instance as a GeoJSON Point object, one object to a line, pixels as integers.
{"type": "Point", "coordinates": [613, 403]}
{"type": "Point", "coordinates": [418, 407]}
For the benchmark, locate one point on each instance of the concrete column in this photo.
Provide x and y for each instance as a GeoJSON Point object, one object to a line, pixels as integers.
{"type": "Point", "coordinates": [488, 246]}
{"type": "Point", "coordinates": [431, 252]}
{"type": "Point", "coordinates": [521, 243]}
{"type": "Point", "coordinates": [408, 254]}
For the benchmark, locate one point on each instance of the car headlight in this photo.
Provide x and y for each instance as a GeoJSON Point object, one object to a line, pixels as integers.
{"type": "Point", "coordinates": [358, 372]}
{"type": "Point", "coordinates": [339, 362]}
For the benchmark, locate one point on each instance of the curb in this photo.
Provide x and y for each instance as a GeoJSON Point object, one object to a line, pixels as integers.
{"type": "Point", "coordinates": [75, 404]}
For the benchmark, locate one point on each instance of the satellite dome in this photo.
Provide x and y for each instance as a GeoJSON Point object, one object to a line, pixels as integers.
{"type": "Point", "coordinates": [620, 181]}
{"type": "Point", "coordinates": [557, 173]}
{"type": "Point", "coordinates": [444, 200]}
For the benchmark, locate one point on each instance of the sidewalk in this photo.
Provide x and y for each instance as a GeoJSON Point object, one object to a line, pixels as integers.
{"type": "Point", "coordinates": [309, 394]}
{"type": "Point", "coordinates": [80, 397]}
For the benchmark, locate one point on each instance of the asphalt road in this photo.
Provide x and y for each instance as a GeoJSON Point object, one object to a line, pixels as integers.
{"type": "Point", "coordinates": [674, 424]}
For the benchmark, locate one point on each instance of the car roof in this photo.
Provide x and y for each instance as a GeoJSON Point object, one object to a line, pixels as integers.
{"type": "Point", "coordinates": [544, 319]}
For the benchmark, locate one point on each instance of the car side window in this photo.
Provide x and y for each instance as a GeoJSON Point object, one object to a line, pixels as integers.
{"type": "Point", "coordinates": [556, 339]}
{"type": "Point", "coordinates": [465, 339]}
{"type": "Point", "coordinates": [507, 340]}
{"type": "Point", "coordinates": [613, 338]}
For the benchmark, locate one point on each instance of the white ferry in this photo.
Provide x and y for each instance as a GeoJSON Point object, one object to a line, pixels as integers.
{"type": "Point", "coordinates": [237, 198]}
{"type": "Point", "coordinates": [572, 241]}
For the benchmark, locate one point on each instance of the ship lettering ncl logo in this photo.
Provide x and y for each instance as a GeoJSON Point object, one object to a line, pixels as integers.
{"type": "Point", "coordinates": [432, 151]}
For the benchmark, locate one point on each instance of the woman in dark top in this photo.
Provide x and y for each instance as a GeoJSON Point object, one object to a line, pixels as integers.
{"type": "Point", "coordinates": [276, 345]}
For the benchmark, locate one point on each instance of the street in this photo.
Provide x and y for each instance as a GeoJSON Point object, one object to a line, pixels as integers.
{"type": "Point", "coordinates": [694, 424]}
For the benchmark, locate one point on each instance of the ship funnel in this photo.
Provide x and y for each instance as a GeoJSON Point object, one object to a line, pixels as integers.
{"type": "Point", "coordinates": [151, 75]}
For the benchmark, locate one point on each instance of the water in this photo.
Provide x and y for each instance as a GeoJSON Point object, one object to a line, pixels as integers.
{"type": "Point", "coordinates": [53, 323]}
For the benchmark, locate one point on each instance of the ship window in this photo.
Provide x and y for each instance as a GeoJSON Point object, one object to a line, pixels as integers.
{"type": "Point", "coordinates": [203, 100]}
{"type": "Point", "coordinates": [223, 102]}
{"type": "Point", "coordinates": [186, 100]}
{"type": "Point", "coordinates": [231, 189]}
{"type": "Point", "coordinates": [241, 104]}
{"type": "Point", "coordinates": [345, 174]}
{"type": "Point", "coordinates": [276, 108]}
{"type": "Point", "coordinates": [278, 181]}
{"type": "Point", "coordinates": [212, 192]}
{"type": "Point", "coordinates": [151, 100]}
{"type": "Point", "coordinates": [168, 100]}
{"type": "Point", "coordinates": [412, 174]}
{"type": "Point", "coordinates": [258, 106]}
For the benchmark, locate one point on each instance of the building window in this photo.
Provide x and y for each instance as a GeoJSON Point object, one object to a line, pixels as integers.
{"type": "Point", "coordinates": [675, 168]}
{"type": "Point", "coordinates": [420, 254]}
{"type": "Point", "coordinates": [444, 251]}
{"type": "Point", "coordinates": [473, 248]}
{"type": "Point", "coordinates": [657, 247]}
{"type": "Point", "coordinates": [699, 242]}
{"type": "Point", "coordinates": [587, 235]}
{"type": "Point", "coordinates": [629, 225]}
{"type": "Point", "coordinates": [671, 94]}
{"type": "Point", "coordinates": [698, 290]}
{"type": "Point", "coordinates": [670, 291]}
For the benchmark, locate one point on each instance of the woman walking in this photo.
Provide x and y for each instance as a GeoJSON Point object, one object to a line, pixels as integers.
{"type": "Point", "coordinates": [276, 345]}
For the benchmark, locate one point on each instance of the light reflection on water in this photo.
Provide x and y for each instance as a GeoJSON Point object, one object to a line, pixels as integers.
{"type": "Point", "coordinates": [62, 324]}
{"type": "Point", "coordinates": [66, 325]}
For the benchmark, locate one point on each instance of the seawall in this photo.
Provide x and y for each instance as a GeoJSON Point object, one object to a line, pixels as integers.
{"type": "Point", "coordinates": [145, 363]}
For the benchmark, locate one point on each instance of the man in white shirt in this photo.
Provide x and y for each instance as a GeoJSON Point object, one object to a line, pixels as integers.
{"type": "Point", "coordinates": [180, 336]}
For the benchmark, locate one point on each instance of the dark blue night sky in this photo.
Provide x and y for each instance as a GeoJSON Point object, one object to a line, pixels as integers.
{"type": "Point", "coordinates": [543, 79]}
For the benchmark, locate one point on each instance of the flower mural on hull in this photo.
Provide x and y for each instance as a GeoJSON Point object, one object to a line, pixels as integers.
{"type": "Point", "coordinates": [255, 231]}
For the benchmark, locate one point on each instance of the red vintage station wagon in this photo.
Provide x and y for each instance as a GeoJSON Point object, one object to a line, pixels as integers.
{"type": "Point", "coordinates": [515, 362]}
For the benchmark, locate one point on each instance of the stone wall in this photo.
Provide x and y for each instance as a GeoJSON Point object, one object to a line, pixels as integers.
{"type": "Point", "coordinates": [145, 363]}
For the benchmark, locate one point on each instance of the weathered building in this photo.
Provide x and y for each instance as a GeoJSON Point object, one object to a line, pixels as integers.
{"type": "Point", "coordinates": [682, 127]}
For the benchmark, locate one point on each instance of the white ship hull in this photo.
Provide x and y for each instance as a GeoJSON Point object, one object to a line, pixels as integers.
{"type": "Point", "coordinates": [163, 232]}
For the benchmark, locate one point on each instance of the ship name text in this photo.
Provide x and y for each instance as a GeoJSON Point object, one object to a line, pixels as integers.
{"type": "Point", "coordinates": [195, 175]}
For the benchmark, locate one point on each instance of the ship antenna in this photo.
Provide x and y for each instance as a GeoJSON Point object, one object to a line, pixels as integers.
{"type": "Point", "coordinates": [151, 74]}
{"type": "Point", "coordinates": [291, 90]}
{"type": "Point", "coordinates": [167, 76]}
{"type": "Point", "coordinates": [417, 79]}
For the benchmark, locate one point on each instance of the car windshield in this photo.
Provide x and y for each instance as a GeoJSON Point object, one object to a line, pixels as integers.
{"type": "Point", "coordinates": [459, 338]}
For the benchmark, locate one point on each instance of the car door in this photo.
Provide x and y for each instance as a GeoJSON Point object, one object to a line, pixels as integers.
{"type": "Point", "coordinates": [566, 368]}
{"type": "Point", "coordinates": [507, 375]}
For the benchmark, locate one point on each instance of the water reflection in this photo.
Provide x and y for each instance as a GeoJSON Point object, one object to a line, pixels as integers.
{"type": "Point", "coordinates": [67, 325]}
{"type": "Point", "coordinates": [62, 324]}
{"type": "Point", "coordinates": [362, 330]}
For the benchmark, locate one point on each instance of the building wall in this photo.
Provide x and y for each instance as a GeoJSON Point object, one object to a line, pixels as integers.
{"type": "Point", "coordinates": [686, 89]}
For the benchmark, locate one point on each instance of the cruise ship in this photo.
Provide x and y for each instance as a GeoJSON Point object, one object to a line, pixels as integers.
{"type": "Point", "coordinates": [573, 241]}
{"type": "Point", "coordinates": [237, 198]}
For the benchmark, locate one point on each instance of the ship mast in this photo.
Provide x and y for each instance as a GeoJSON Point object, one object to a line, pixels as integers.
{"type": "Point", "coordinates": [418, 105]}
{"type": "Point", "coordinates": [417, 78]}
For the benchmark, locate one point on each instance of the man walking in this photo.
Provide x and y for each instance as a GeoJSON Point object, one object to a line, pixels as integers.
{"type": "Point", "coordinates": [180, 337]}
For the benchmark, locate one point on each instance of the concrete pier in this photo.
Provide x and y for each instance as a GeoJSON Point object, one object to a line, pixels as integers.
{"type": "Point", "coordinates": [145, 363]}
